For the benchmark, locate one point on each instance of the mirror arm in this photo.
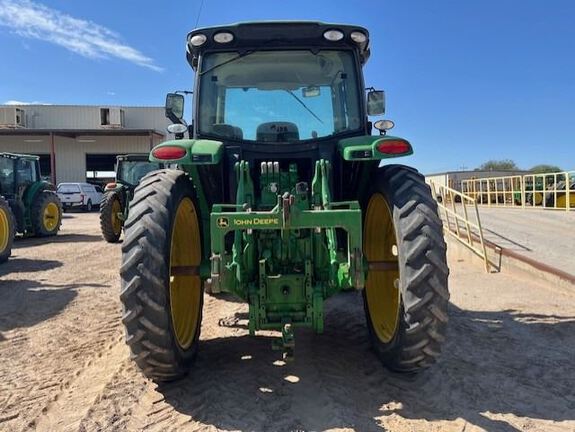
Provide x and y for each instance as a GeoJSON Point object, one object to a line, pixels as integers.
{"type": "Point", "coordinates": [172, 116]}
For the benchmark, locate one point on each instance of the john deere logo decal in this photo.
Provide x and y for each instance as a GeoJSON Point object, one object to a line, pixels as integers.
{"type": "Point", "coordinates": [223, 222]}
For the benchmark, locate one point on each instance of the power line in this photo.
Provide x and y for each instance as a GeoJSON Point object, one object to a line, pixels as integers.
{"type": "Point", "coordinates": [199, 13]}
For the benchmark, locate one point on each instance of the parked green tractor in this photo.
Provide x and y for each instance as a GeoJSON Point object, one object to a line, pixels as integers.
{"type": "Point", "coordinates": [36, 208]}
{"type": "Point", "coordinates": [7, 230]}
{"type": "Point", "coordinates": [115, 204]}
{"type": "Point", "coordinates": [282, 202]}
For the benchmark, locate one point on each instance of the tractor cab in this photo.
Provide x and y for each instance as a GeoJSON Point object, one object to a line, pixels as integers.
{"type": "Point", "coordinates": [279, 82]}
{"type": "Point", "coordinates": [271, 91]}
{"type": "Point", "coordinates": [131, 168]}
{"type": "Point", "coordinates": [17, 174]}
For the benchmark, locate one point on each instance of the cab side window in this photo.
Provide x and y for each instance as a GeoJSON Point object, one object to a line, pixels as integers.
{"type": "Point", "coordinates": [26, 171]}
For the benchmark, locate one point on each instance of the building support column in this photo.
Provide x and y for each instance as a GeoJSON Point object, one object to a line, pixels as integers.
{"type": "Point", "coordinates": [52, 159]}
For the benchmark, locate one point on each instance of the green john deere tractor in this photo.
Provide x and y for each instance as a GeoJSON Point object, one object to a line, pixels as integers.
{"type": "Point", "coordinates": [114, 207]}
{"type": "Point", "coordinates": [281, 201]}
{"type": "Point", "coordinates": [35, 206]}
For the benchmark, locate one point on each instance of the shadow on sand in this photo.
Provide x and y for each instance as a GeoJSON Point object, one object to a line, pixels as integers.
{"type": "Point", "coordinates": [16, 264]}
{"type": "Point", "coordinates": [493, 362]}
{"type": "Point", "coordinates": [24, 303]}
{"type": "Point", "coordinates": [59, 238]}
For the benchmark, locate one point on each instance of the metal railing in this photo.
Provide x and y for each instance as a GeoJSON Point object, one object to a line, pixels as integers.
{"type": "Point", "coordinates": [548, 191]}
{"type": "Point", "coordinates": [455, 211]}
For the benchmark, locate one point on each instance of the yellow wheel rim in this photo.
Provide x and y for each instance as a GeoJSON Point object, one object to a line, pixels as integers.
{"type": "Point", "coordinates": [185, 284]}
{"type": "Point", "coordinates": [538, 198]}
{"type": "Point", "coordinates": [116, 221]}
{"type": "Point", "coordinates": [562, 200]}
{"type": "Point", "coordinates": [51, 216]}
{"type": "Point", "coordinates": [4, 230]}
{"type": "Point", "coordinates": [382, 284]}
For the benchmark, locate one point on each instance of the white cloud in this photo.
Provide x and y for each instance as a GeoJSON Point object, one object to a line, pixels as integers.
{"type": "Point", "coordinates": [36, 21]}
{"type": "Point", "coordinates": [15, 102]}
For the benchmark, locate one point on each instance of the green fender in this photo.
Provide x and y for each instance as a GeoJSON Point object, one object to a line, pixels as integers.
{"type": "Point", "coordinates": [31, 191]}
{"type": "Point", "coordinates": [198, 151]}
{"type": "Point", "coordinates": [366, 147]}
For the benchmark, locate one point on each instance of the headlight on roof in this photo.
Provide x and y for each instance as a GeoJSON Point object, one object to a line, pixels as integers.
{"type": "Point", "coordinates": [333, 35]}
{"type": "Point", "coordinates": [198, 39]}
{"type": "Point", "coordinates": [358, 37]}
{"type": "Point", "coordinates": [223, 37]}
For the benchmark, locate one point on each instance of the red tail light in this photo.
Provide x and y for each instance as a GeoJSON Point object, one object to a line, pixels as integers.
{"type": "Point", "coordinates": [393, 146]}
{"type": "Point", "coordinates": [169, 152]}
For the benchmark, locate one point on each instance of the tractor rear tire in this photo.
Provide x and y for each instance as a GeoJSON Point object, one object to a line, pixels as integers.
{"type": "Point", "coordinates": [7, 230]}
{"type": "Point", "coordinates": [406, 294]}
{"type": "Point", "coordinates": [110, 223]}
{"type": "Point", "coordinates": [46, 214]}
{"type": "Point", "coordinates": [161, 291]}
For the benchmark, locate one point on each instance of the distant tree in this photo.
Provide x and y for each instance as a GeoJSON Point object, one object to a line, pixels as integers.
{"type": "Point", "coordinates": [544, 168]}
{"type": "Point", "coordinates": [498, 165]}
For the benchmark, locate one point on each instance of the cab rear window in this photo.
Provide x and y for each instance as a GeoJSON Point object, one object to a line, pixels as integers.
{"type": "Point", "coordinates": [68, 188]}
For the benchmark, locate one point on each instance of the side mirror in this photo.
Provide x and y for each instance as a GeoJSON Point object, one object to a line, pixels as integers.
{"type": "Point", "coordinates": [376, 102]}
{"type": "Point", "coordinates": [175, 107]}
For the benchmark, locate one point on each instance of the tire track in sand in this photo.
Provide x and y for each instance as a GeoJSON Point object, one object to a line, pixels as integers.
{"type": "Point", "coordinates": [81, 392]}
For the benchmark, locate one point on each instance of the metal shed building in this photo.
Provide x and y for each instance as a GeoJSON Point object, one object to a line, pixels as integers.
{"type": "Point", "coordinates": [75, 140]}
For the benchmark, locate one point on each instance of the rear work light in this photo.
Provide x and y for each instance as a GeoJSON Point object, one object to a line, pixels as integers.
{"type": "Point", "coordinates": [393, 147]}
{"type": "Point", "coordinates": [223, 37]}
{"type": "Point", "coordinates": [358, 37]}
{"type": "Point", "coordinates": [198, 39]}
{"type": "Point", "coordinates": [333, 35]}
{"type": "Point", "coordinates": [169, 152]}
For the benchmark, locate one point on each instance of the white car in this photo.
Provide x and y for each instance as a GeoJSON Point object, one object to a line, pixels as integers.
{"type": "Point", "coordinates": [84, 195]}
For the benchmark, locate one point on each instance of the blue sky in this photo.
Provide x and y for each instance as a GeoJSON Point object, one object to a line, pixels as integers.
{"type": "Point", "coordinates": [466, 81]}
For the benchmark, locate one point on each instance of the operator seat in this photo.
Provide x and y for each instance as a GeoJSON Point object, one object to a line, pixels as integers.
{"type": "Point", "coordinates": [277, 132]}
{"type": "Point", "coordinates": [227, 130]}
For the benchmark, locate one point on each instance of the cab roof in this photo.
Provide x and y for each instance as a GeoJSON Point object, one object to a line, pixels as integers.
{"type": "Point", "coordinates": [277, 35]}
{"type": "Point", "coordinates": [19, 156]}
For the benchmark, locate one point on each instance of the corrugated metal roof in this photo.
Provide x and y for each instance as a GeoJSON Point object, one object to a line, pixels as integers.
{"type": "Point", "coordinates": [58, 117]}
{"type": "Point", "coordinates": [78, 132]}
{"type": "Point", "coordinates": [82, 106]}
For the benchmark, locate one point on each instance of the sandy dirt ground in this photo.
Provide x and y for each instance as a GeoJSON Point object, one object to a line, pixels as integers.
{"type": "Point", "coordinates": [508, 363]}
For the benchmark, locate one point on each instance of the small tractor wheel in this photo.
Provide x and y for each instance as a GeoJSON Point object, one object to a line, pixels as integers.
{"type": "Point", "coordinates": [7, 230]}
{"type": "Point", "coordinates": [406, 293]}
{"type": "Point", "coordinates": [161, 288]}
{"type": "Point", "coordinates": [110, 222]}
{"type": "Point", "coordinates": [46, 214]}
{"type": "Point", "coordinates": [88, 206]}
